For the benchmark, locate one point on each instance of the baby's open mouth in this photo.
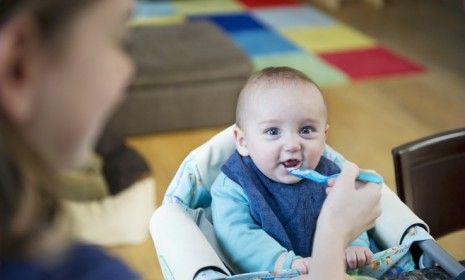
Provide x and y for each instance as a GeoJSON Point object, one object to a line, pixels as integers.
{"type": "Point", "coordinates": [291, 164]}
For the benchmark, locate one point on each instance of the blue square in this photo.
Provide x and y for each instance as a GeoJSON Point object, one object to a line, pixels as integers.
{"type": "Point", "coordinates": [259, 42]}
{"type": "Point", "coordinates": [153, 8]}
{"type": "Point", "coordinates": [283, 17]}
{"type": "Point", "coordinates": [232, 22]}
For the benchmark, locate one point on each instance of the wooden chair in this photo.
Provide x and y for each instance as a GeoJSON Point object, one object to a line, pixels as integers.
{"type": "Point", "coordinates": [430, 179]}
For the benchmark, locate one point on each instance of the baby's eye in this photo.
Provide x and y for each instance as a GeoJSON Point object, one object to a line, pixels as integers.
{"type": "Point", "coordinates": [306, 130]}
{"type": "Point", "coordinates": [272, 131]}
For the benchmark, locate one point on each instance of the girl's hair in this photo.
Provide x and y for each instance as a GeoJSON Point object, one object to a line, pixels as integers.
{"type": "Point", "coordinates": [50, 15]}
{"type": "Point", "coordinates": [28, 192]}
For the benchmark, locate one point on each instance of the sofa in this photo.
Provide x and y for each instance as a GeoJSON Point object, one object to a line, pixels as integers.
{"type": "Point", "coordinates": [189, 75]}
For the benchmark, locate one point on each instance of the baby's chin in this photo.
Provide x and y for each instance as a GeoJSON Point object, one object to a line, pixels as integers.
{"type": "Point", "coordinates": [289, 179]}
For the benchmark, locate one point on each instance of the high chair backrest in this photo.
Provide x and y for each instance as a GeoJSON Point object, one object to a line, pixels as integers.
{"type": "Point", "coordinates": [191, 184]}
{"type": "Point", "coordinates": [430, 177]}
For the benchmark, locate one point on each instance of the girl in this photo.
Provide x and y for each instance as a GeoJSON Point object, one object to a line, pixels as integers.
{"type": "Point", "coordinates": [63, 69]}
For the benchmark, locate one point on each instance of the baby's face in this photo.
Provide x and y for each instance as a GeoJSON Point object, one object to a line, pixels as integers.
{"type": "Point", "coordinates": [284, 129]}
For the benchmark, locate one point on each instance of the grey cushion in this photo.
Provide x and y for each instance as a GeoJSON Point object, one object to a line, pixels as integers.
{"type": "Point", "coordinates": [188, 76]}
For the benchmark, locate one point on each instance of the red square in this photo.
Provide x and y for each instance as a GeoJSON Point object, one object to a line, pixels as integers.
{"type": "Point", "coordinates": [267, 3]}
{"type": "Point", "coordinates": [372, 62]}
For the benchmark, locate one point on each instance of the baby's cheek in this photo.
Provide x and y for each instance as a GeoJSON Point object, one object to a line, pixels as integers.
{"type": "Point", "coordinates": [313, 162]}
{"type": "Point", "coordinates": [314, 155]}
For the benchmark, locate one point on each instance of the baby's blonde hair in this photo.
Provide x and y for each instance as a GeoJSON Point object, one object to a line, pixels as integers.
{"type": "Point", "coordinates": [269, 76]}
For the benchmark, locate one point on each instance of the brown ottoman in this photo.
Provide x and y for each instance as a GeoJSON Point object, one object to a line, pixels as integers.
{"type": "Point", "coordinates": [188, 76]}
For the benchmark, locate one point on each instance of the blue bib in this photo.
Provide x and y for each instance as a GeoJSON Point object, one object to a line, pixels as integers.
{"type": "Point", "coordinates": [287, 212]}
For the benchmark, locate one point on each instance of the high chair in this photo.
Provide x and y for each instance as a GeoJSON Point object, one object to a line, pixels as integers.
{"type": "Point", "coordinates": [183, 234]}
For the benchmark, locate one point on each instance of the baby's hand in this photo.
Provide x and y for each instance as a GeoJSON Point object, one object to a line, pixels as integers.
{"type": "Point", "coordinates": [357, 256]}
{"type": "Point", "coordinates": [302, 265]}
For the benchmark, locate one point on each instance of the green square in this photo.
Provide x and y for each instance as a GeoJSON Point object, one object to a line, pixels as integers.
{"type": "Point", "coordinates": [319, 71]}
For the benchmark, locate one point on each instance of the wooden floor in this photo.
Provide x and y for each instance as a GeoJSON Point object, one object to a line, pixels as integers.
{"type": "Point", "coordinates": [367, 118]}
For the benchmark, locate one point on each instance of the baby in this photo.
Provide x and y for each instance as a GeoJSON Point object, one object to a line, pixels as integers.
{"type": "Point", "coordinates": [264, 217]}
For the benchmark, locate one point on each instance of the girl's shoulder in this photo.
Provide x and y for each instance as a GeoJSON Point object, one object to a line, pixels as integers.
{"type": "Point", "coordinates": [82, 261]}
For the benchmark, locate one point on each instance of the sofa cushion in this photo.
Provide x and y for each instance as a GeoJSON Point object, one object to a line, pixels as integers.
{"type": "Point", "coordinates": [191, 52]}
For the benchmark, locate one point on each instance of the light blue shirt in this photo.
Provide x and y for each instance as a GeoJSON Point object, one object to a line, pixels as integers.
{"type": "Point", "coordinates": [248, 247]}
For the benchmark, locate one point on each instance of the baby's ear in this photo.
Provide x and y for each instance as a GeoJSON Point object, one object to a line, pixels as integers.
{"type": "Point", "coordinates": [326, 131]}
{"type": "Point", "coordinates": [239, 140]}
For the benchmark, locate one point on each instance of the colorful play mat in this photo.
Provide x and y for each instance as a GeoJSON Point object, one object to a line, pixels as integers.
{"type": "Point", "coordinates": [286, 32]}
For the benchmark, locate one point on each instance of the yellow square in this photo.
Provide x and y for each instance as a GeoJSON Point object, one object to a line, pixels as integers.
{"type": "Point", "coordinates": [195, 7]}
{"type": "Point", "coordinates": [327, 38]}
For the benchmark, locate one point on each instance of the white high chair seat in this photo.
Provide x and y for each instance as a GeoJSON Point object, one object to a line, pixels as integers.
{"type": "Point", "coordinates": [182, 248]}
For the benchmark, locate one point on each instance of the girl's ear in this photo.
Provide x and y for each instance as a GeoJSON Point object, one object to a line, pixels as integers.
{"type": "Point", "coordinates": [239, 139]}
{"type": "Point", "coordinates": [19, 58]}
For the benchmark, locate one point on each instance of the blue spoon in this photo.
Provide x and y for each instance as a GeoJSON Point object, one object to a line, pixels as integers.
{"type": "Point", "coordinates": [363, 176]}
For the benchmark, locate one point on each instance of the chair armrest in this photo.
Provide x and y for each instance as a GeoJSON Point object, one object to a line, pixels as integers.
{"type": "Point", "coordinates": [394, 221]}
{"type": "Point", "coordinates": [441, 257]}
{"type": "Point", "coordinates": [181, 247]}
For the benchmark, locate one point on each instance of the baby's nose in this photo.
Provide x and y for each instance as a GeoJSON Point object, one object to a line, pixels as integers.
{"type": "Point", "coordinates": [292, 145]}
